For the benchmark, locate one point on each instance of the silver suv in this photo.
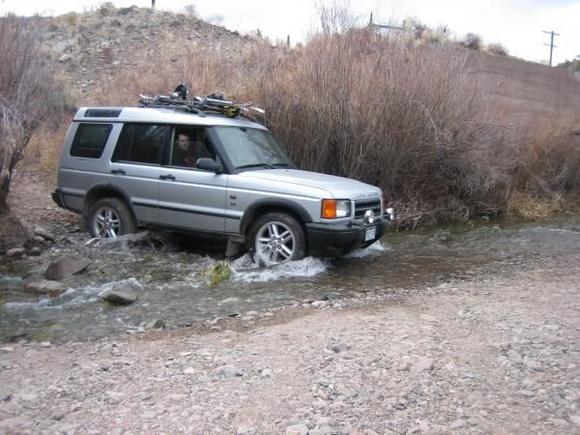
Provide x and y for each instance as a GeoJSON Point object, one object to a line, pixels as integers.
{"type": "Point", "coordinates": [123, 168]}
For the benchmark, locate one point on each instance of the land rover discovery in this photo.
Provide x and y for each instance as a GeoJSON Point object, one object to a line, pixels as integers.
{"type": "Point", "coordinates": [124, 168]}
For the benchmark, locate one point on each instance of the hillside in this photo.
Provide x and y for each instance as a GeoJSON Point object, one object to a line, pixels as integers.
{"type": "Point", "coordinates": [91, 47]}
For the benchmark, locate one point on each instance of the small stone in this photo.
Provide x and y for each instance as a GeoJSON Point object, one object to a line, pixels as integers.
{"type": "Point", "coordinates": [45, 287]}
{"type": "Point", "coordinates": [189, 371]}
{"type": "Point", "coordinates": [45, 344]}
{"type": "Point", "coordinates": [458, 424]}
{"type": "Point", "coordinates": [319, 304]}
{"type": "Point", "coordinates": [339, 347]}
{"type": "Point", "coordinates": [16, 252]}
{"type": "Point", "coordinates": [424, 365]}
{"type": "Point", "coordinates": [35, 251]}
{"type": "Point", "coordinates": [228, 372]}
{"type": "Point", "coordinates": [265, 373]}
{"type": "Point", "coordinates": [6, 349]}
{"type": "Point", "coordinates": [575, 419]}
{"type": "Point", "coordinates": [5, 396]}
{"type": "Point", "coordinates": [297, 429]}
{"type": "Point", "coordinates": [65, 57]}
{"type": "Point", "coordinates": [514, 356]}
{"type": "Point", "coordinates": [39, 231]}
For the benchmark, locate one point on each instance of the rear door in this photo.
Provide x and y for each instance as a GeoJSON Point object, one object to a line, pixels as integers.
{"type": "Point", "coordinates": [191, 198]}
{"type": "Point", "coordinates": [135, 166]}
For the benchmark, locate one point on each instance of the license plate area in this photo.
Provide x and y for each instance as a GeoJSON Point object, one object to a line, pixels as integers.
{"type": "Point", "coordinates": [370, 233]}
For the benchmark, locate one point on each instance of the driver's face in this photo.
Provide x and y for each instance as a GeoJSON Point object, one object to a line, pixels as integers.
{"type": "Point", "coordinates": [183, 142]}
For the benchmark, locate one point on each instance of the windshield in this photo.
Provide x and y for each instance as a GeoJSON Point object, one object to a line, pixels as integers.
{"type": "Point", "coordinates": [251, 147]}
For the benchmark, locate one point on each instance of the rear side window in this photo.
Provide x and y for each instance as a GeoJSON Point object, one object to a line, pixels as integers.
{"type": "Point", "coordinates": [142, 143]}
{"type": "Point", "coordinates": [90, 140]}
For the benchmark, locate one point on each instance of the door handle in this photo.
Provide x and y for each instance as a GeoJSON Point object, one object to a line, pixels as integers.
{"type": "Point", "coordinates": [118, 171]}
{"type": "Point", "coordinates": [167, 177]}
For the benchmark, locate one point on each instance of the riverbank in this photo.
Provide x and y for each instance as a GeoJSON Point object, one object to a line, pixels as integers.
{"type": "Point", "coordinates": [489, 354]}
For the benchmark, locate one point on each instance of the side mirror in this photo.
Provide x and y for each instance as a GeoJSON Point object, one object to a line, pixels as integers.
{"type": "Point", "coordinates": [208, 164]}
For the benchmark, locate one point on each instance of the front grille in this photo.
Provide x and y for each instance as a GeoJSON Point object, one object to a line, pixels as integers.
{"type": "Point", "coordinates": [360, 207]}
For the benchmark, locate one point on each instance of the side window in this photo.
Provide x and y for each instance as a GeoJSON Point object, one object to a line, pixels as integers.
{"type": "Point", "coordinates": [90, 140]}
{"type": "Point", "coordinates": [190, 144]}
{"type": "Point", "coordinates": [141, 143]}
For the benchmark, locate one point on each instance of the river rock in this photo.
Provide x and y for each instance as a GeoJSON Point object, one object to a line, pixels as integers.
{"type": "Point", "coordinates": [119, 296]}
{"type": "Point", "coordinates": [35, 251]}
{"type": "Point", "coordinates": [65, 266]}
{"type": "Point", "coordinates": [45, 287]}
{"type": "Point", "coordinates": [45, 234]}
{"type": "Point", "coordinates": [16, 252]}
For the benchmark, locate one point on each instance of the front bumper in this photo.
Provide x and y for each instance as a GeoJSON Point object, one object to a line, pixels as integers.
{"type": "Point", "coordinates": [326, 240]}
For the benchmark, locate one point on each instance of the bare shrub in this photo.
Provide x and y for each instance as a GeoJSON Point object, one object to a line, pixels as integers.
{"type": "Point", "coordinates": [29, 94]}
{"type": "Point", "coordinates": [498, 49]}
{"type": "Point", "coordinates": [472, 42]}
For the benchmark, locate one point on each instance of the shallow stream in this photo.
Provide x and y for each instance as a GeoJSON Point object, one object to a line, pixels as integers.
{"type": "Point", "coordinates": [175, 288]}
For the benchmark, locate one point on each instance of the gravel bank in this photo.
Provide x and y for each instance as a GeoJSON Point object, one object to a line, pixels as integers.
{"type": "Point", "coordinates": [486, 355]}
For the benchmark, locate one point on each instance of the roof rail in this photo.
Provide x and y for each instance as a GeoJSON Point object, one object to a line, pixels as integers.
{"type": "Point", "coordinates": [214, 104]}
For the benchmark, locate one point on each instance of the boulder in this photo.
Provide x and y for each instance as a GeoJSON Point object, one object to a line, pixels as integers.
{"type": "Point", "coordinates": [45, 287]}
{"type": "Point", "coordinates": [65, 266]}
{"type": "Point", "coordinates": [122, 293]}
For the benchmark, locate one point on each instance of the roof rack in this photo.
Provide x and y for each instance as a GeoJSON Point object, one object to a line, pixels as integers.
{"type": "Point", "coordinates": [212, 104]}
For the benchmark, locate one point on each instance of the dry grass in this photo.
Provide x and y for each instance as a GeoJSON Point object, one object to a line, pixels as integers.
{"type": "Point", "coordinates": [391, 112]}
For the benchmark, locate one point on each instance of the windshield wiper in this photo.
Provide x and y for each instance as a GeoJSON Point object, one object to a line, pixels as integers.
{"type": "Point", "coordinates": [256, 165]}
{"type": "Point", "coordinates": [284, 165]}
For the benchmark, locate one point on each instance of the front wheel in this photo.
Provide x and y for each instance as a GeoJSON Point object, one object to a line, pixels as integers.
{"type": "Point", "coordinates": [276, 238]}
{"type": "Point", "coordinates": [110, 218]}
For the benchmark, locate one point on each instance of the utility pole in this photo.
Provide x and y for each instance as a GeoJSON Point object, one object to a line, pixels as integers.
{"type": "Point", "coordinates": [551, 44]}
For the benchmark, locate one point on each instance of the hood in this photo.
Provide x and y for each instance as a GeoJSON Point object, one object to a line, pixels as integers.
{"type": "Point", "coordinates": [337, 187]}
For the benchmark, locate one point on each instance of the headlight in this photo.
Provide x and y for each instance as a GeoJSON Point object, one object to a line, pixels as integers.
{"type": "Point", "coordinates": [335, 208]}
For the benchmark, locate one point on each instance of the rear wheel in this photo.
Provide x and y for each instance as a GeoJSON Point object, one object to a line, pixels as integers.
{"type": "Point", "coordinates": [276, 238]}
{"type": "Point", "coordinates": [110, 218]}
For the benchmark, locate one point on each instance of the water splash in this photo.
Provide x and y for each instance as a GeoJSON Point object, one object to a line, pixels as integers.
{"type": "Point", "coordinates": [305, 268]}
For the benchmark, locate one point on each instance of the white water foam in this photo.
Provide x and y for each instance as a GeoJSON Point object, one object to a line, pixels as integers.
{"type": "Point", "coordinates": [251, 272]}
{"type": "Point", "coordinates": [375, 249]}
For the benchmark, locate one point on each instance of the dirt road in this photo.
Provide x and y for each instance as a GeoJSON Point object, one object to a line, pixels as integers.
{"type": "Point", "coordinates": [493, 354]}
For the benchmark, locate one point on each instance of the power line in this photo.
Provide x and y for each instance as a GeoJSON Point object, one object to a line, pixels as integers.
{"type": "Point", "coordinates": [551, 44]}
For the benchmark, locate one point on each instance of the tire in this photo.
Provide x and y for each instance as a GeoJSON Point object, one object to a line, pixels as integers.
{"type": "Point", "coordinates": [276, 238]}
{"type": "Point", "coordinates": [110, 218]}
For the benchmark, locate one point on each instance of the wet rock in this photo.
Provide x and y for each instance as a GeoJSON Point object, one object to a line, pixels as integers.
{"type": "Point", "coordinates": [45, 287]}
{"type": "Point", "coordinates": [16, 252]}
{"type": "Point", "coordinates": [228, 372]}
{"type": "Point", "coordinates": [65, 266]}
{"type": "Point", "coordinates": [155, 324]}
{"type": "Point", "coordinates": [45, 234]}
{"type": "Point", "coordinates": [297, 429]}
{"type": "Point", "coordinates": [122, 293]}
{"type": "Point", "coordinates": [35, 251]}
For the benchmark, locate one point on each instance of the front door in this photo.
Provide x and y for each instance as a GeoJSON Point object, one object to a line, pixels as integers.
{"type": "Point", "coordinates": [191, 198]}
